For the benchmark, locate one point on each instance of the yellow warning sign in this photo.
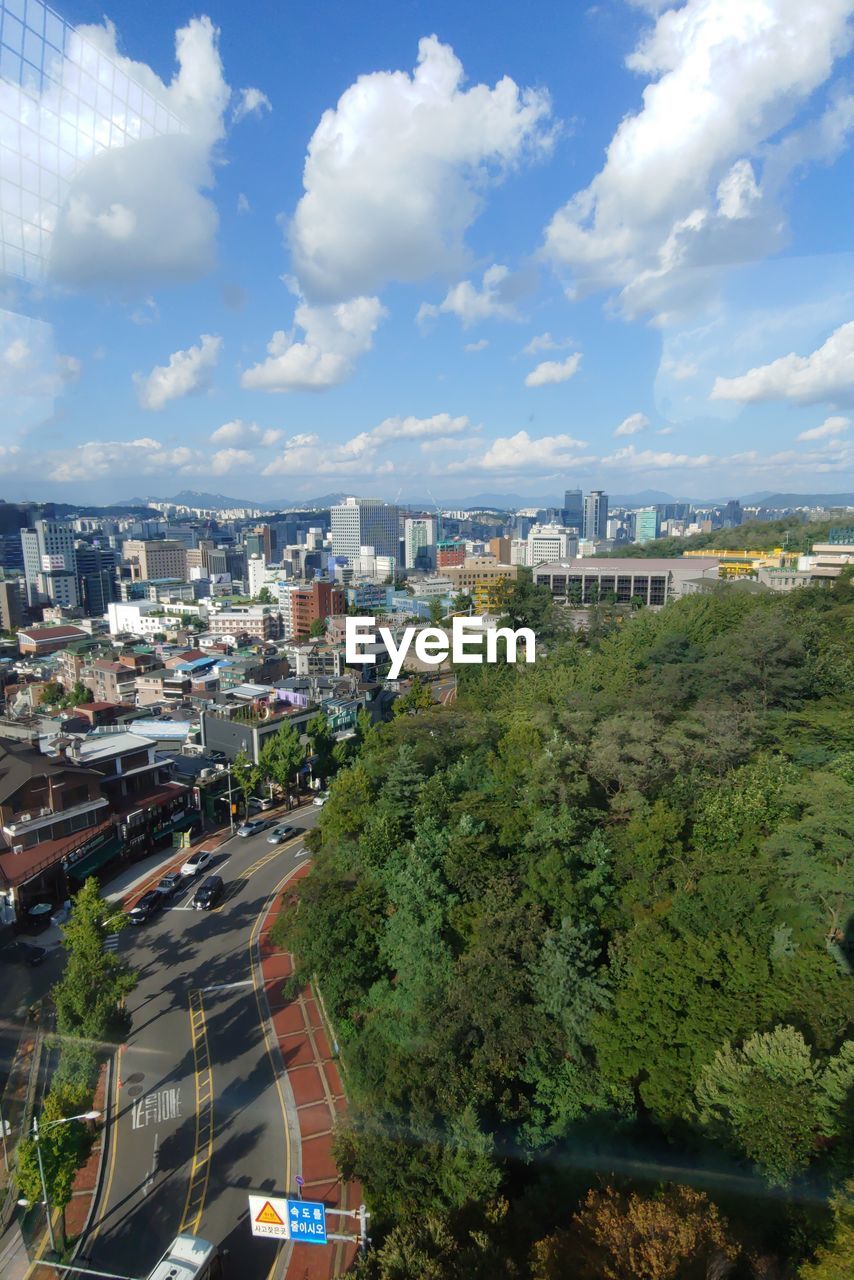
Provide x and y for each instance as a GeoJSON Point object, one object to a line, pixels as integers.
{"type": "Point", "coordinates": [269, 1216]}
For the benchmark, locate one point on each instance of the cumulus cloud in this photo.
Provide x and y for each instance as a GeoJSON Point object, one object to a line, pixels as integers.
{"type": "Point", "coordinates": [495, 300]}
{"type": "Point", "coordinates": [247, 435]}
{"type": "Point", "coordinates": [480, 345]}
{"type": "Point", "coordinates": [133, 205]}
{"type": "Point", "coordinates": [95, 459]}
{"type": "Point", "coordinates": [33, 374]}
{"type": "Point", "coordinates": [651, 460]}
{"type": "Point", "coordinates": [226, 460]}
{"type": "Point", "coordinates": [243, 205]}
{"type": "Point", "coordinates": [186, 373]}
{"type": "Point", "coordinates": [551, 371]}
{"type": "Point", "coordinates": [826, 374]}
{"type": "Point", "coordinates": [333, 338]}
{"type": "Point", "coordinates": [523, 453]}
{"type": "Point", "coordinates": [679, 194]}
{"type": "Point", "coordinates": [306, 453]}
{"type": "Point", "coordinates": [632, 425]}
{"type": "Point", "coordinates": [829, 428]}
{"type": "Point", "coordinates": [545, 342]}
{"type": "Point", "coordinates": [395, 173]}
{"type": "Point", "coordinates": [250, 102]}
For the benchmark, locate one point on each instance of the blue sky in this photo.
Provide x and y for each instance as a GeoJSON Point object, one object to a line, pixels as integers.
{"type": "Point", "coordinates": [408, 248]}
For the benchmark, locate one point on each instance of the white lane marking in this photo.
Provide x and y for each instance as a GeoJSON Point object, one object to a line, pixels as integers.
{"type": "Point", "coordinates": [164, 1104]}
{"type": "Point", "coordinates": [146, 1186]}
{"type": "Point", "coordinates": [227, 986]}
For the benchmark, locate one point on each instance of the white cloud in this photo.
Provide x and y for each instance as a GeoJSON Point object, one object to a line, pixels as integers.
{"type": "Point", "coordinates": [545, 342]}
{"type": "Point", "coordinates": [650, 460]}
{"type": "Point", "coordinates": [136, 204]}
{"type": "Point", "coordinates": [632, 425]}
{"type": "Point", "coordinates": [664, 431]}
{"type": "Point", "coordinates": [679, 370]}
{"type": "Point", "coordinates": [678, 195]}
{"type": "Point", "coordinates": [829, 428]}
{"type": "Point", "coordinates": [523, 453]}
{"type": "Point", "coordinates": [480, 345]}
{"type": "Point", "coordinates": [495, 300]}
{"type": "Point", "coordinates": [551, 371]}
{"type": "Point", "coordinates": [227, 460]}
{"type": "Point", "coordinates": [186, 373]}
{"type": "Point", "coordinates": [395, 173]}
{"type": "Point", "coordinates": [29, 370]}
{"type": "Point", "coordinates": [243, 205]}
{"type": "Point", "coordinates": [250, 102]}
{"type": "Point", "coordinates": [96, 459]}
{"type": "Point", "coordinates": [246, 435]}
{"type": "Point", "coordinates": [825, 375]}
{"type": "Point", "coordinates": [334, 337]}
{"type": "Point", "coordinates": [147, 313]}
{"type": "Point", "coordinates": [306, 453]}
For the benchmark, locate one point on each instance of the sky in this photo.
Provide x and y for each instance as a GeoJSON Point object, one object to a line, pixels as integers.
{"type": "Point", "coordinates": [406, 249]}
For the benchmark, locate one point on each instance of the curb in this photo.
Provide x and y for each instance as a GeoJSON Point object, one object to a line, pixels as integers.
{"type": "Point", "coordinates": [106, 1138]}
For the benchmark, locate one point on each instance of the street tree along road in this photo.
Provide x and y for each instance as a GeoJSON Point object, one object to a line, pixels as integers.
{"type": "Point", "coordinates": [201, 1114]}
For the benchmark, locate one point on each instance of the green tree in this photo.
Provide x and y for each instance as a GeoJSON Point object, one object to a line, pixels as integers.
{"type": "Point", "coordinates": [835, 1259]}
{"type": "Point", "coordinates": [246, 776]}
{"type": "Point", "coordinates": [64, 1149]}
{"type": "Point", "coordinates": [317, 628]}
{"type": "Point", "coordinates": [437, 612]}
{"type": "Point", "coordinates": [418, 697]}
{"type": "Point", "coordinates": [281, 756]}
{"type": "Point", "coordinates": [772, 1100]}
{"type": "Point", "coordinates": [94, 983]}
{"type": "Point", "coordinates": [52, 694]}
{"type": "Point", "coordinates": [265, 596]}
{"type": "Point", "coordinates": [321, 741]}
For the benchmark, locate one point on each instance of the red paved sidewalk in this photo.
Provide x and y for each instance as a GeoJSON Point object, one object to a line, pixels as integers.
{"type": "Point", "coordinates": [319, 1094]}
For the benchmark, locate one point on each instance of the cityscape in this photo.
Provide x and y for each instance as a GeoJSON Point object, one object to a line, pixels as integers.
{"type": "Point", "coordinates": [426, 641]}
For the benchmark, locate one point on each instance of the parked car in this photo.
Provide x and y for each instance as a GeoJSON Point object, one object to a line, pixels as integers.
{"type": "Point", "coordinates": [197, 862]}
{"type": "Point", "coordinates": [260, 802]}
{"type": "Point", "coordinates": [149, 904]}
{"type": "Point", "coordinates": [320, 800]}
{"type": "Point", "coordinates": [172, 883]}
{"type": "Point", "coordinates": [279, 834]}
{"type": "Point", "coordinates": [24, 953]}
{"type": "Point", "coordinates": [208, 893]}
{"type": "Point", "coordinates": [251, 826]}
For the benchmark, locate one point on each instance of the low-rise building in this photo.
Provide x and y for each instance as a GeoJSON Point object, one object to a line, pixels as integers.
{"type": "Point", "coordinates": [653, 581]}
{"type": "Point", "coordinates": [44, 640]}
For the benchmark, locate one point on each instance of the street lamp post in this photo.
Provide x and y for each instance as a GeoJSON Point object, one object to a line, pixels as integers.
{"type": "Point", "coordinates": [85, 1115]}
{"type": "Point", "coordinates": [230, 809]}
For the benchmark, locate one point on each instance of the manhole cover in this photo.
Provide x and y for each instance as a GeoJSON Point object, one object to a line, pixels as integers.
{"type": "Point", "coordinates": [136, 1078]}
{"type": "Point", "coordinates": [134, 1091]}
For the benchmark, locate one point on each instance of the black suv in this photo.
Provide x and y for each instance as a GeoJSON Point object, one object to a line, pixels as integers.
{"type": "Point", "coordinates": [208, 893]}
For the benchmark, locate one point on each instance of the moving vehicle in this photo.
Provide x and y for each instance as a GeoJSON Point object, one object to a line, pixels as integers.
{"type": "Point", "coordinates": [149, 904]}
{"type": "Point", "coordinates": [197, 862]}
{"type": "Point", "coordinates": [208, 893]}
{"type": "Point", "coordinates": [189, 1258]}
{"type": "Point", "coordinates": [251, 826]}
{"type": "Point", "coordinates": [24, 953]}
{"type": "Point", "coordinates": [320, 800]}
{"type": "Point", "coordinates": [171, 883]}
{"type": "Point", "coordinates": [278, 834]}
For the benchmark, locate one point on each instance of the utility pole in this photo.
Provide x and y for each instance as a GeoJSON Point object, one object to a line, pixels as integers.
{"type": "Point", "coordinates": [44, 1185]}
{"type": "Point", "coordinates": [230, 807]}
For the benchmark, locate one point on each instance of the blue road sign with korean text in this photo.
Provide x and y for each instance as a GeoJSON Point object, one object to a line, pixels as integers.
{"type": "Point", "coordinates": [307, 1221]}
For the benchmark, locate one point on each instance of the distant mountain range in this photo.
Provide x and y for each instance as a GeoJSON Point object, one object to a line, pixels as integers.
{"type": "Point", "coordinates": [501, 501]}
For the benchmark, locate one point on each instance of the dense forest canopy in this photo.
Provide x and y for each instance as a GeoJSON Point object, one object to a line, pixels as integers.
{"type": "Point", "coordinates": [585, 937]}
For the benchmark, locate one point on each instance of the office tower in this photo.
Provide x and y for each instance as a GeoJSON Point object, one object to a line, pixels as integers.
{"type": "Point", "coordinates": [419, 542]}
{"type": "Point", "coordinates": [573, 509]}
{"type": "Point", "coordinates": [647, 525]}
{"type": "Point", "coordinates": [96, 578]}
{"type": "Point", "coordinates": [158, 558]}
{"type": "Point", "coordinates": [11, 604]}
{"type": "Point", "coordinates": [550, 542]}
{"type": "Point", "coordinates": [732, 514]}
{"type": "Point", "coordinates": [48, 549]}
{"type": "Point", "coordinates": [365, 522]}
{"type": "Point", "coordinates": [595, 514]}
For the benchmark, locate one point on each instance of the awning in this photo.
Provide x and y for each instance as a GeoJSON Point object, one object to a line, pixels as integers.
{"type": "Point", "coordinates": [96, 859]}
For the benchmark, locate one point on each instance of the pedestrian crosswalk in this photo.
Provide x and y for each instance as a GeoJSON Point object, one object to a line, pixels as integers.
{"type": "Point", "coordinates": [111, 942]}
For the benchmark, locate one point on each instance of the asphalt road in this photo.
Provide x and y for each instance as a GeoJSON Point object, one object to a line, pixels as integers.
{"type": "Point", "coordinates": [203, 1116]}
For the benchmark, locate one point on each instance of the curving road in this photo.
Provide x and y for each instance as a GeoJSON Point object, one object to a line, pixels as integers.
{"type": "Point", "coordinates": [202, 1112]}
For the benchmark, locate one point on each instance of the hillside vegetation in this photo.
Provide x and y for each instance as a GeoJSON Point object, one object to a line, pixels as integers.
{"type": "Point", "coordinates": [586, 941]}
{"type": "Point", "coordinates": [756, 535]}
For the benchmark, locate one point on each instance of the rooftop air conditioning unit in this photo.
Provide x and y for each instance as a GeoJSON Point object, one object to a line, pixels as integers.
{"type": "Point", "coordinates": [17, 848]}
{"type": "Point", "coordinates": [220, 768]}
{"type": "Point", "coordinates": [207, 773]}
{"type": "Point", "coordinates": [25, 817]}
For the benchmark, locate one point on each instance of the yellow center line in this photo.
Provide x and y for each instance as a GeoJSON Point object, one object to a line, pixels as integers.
{"type": "Point", "coordinates": [111, 1131]}
{"type": "Point", "coordinates": [200, 1164]}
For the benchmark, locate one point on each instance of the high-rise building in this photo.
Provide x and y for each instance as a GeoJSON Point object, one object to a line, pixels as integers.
{"type": "Point", "coordinates": [419, 542]}
{"type": "Point", "coordinates": [48, 549]}
{"type": "Point", "coordinates": [156, 558]}
{"type": "Point", "coordinates": [11, 604]}
{"type": "Point", "coordinates": [647, 525]}
{"type": "Point", "coordinates": [595, 514]}
{"type": "Point", "coordinates": [96, 578]}
{"type": "Point", "coordinates": [365, 522]}
{"type": "Point", "coordinates": [573, 509]}
{"type": "Point", "coordinates": [550, 542]}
